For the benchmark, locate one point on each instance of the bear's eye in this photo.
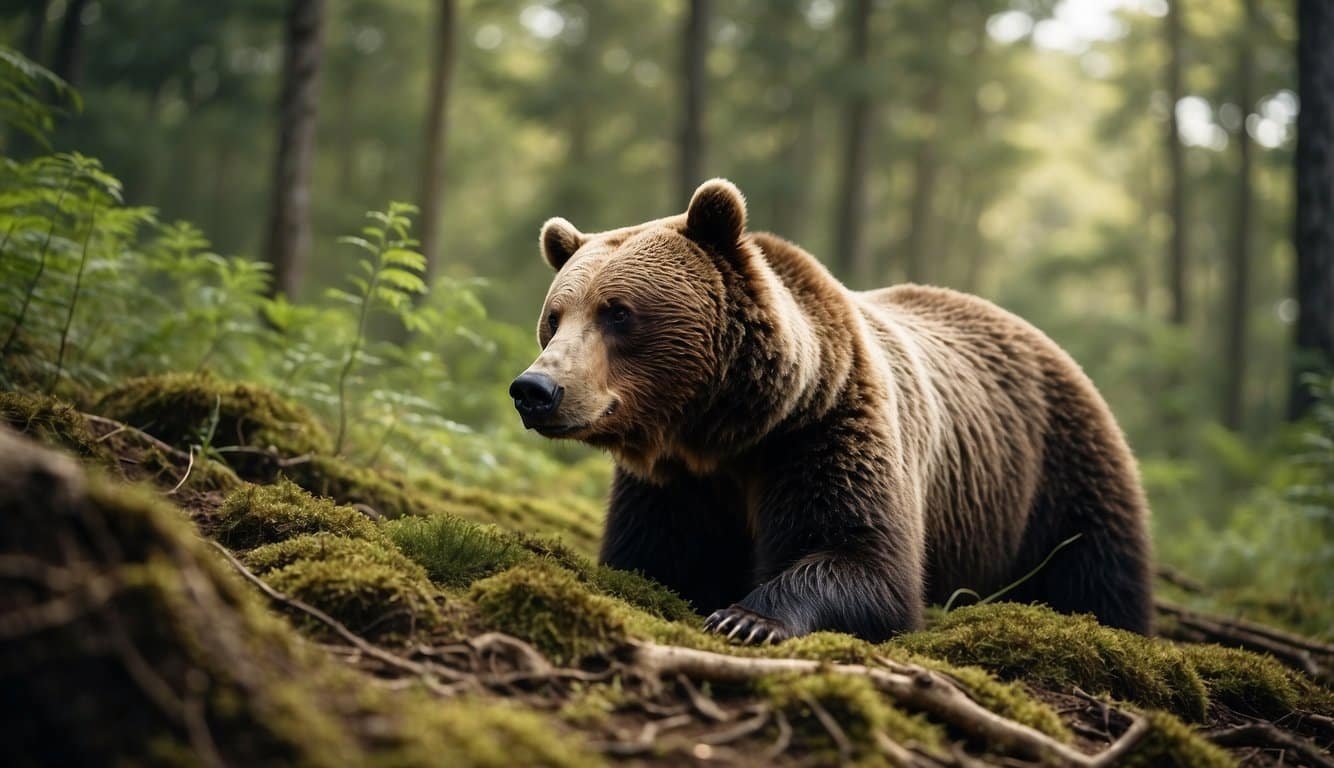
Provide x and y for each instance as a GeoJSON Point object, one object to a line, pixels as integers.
{"type": "Point", "coordinates": [618, 316]}
{"type": "Point", "coordinates": [552, 321]}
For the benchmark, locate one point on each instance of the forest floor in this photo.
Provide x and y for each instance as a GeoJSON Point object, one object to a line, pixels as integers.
{"type": "Point", "coordinates": [248, 598]}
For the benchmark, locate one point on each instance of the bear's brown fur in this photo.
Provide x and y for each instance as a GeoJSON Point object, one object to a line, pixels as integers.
{"type": "Point", "coordinates": [805, 457]}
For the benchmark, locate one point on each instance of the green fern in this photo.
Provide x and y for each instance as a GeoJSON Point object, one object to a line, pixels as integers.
{"type": "Point", "coordinates": [390, 275]}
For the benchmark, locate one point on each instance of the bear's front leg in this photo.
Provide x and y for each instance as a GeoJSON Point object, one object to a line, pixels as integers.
{"type": "Point", "coordinates": [839, 546]}
{"type": "Point", "coordinates": [687, 533]}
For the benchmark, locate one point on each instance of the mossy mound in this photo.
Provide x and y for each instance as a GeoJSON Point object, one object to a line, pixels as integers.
{"type": "Point", "coordinates": [855, 707]}
{"type": "Point", "coordinates": [634, 588]}
{"type": "Point", "coordinates": [181, 408]}
{"type": "Point", "coordinates": [52, 422]}
{"type": "Point", "coordinates": [167, 656]}
{"type": "Point", "coordinates": [329, 546]}
{"type": "Point", "coordinates": [371, 598]}
{"type": "Point", "coordinates": [1171, 743]}
{"type": "Point", "coordinates": [1254, 683]}
{"type": "Point", "coordinates": [549, 608]}
{"type": "Point", "coordinates": [454, 552]}
{"type": "Point", "coordinates": [263, 514]}
{"type": "Point", "coordinates": [1040, 646]}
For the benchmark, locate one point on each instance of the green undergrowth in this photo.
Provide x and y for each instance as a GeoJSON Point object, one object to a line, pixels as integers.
{"type": "Point", "coordinates": [264, 436]}
{"type": "Point", "coordinates": [1035, 644]}
{"type": "Point", "coordinates": [264, 514]}
{"type": "Point", "coordinates": [183, 408]}
{"type": "Point", "coordinates": [168, 628]}
{"type": "Point", "coordinates": [1255, 683]}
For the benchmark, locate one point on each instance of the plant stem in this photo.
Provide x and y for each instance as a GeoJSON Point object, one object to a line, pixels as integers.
{"type": "Point", "coordinates": [73, 302]}
{"type": "Point", "coordinates": [356, 348]}
{"type": "Point", "coordinates": [41, 267]}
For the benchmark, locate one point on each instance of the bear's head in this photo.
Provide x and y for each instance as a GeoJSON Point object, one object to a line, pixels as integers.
{"type": "Point", "coordinates": [638, 326]}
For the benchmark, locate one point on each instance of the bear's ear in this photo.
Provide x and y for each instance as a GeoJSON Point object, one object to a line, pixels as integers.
{"type": "Point", "coordinates": [717, 214]}
{"type": "Point", "coordinates": [559, 241]}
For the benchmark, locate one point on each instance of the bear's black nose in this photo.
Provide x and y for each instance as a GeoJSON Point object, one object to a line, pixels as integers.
{"type": "Point", "coordinates": [536, 394]}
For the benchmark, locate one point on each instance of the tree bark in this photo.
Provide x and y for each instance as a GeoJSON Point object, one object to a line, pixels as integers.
{"type": "Point", "coordinates": [1237, 310]}
{"type": "Point", "coordinates": [694, 85]}
{"type": "Point", "coordinates": [1314, 230]}
{"type": "Point", "coordinates": [849, 249]}
{"type": "Point", "coordinates": [289, 224]}
{"type": "Point", "coordinates": [925, 170]}
{"type": "Point", "coordinates": [1176, 161]}
{"type": "Point", "coordinates": [68, 59]}
{"type": "Point", "coordinates": [34, 35]}
{"type": "Point", "coordinates": [433, 172]}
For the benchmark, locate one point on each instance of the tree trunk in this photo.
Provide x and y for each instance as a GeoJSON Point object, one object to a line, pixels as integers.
{"type": "Point", "coordinates": [1237, 310]}
{"type": "Point", "coordinates": [289, 223]}
{"type": "Point", "coordinates": [1314, 231]}
{"type": "Point", "coordinates": [68, 59]}
{"type": "Point", "coordinates": [694, 81]}
{"type": "Point", "coordinates": [925, 170]}
{"type": "Point", "coordinates": [849, 249]}
{"type": "Point", "coordinates": [433, 173]}
{"type": "Point", "coordinates": [34, 36]}
{"type": "Point", "coordinates": [1176, 254]}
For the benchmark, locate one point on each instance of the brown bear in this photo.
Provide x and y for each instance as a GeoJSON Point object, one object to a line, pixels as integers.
{"type": "Point", "coordinates": [805, 457]}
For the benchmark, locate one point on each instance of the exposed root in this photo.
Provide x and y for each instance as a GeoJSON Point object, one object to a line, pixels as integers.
{"type": "Point", "coordinates": [1303, 654]}
{"type": "Point", "coordinates": [1266, 736]}
{"type": "Point", "coordinates": [915, 688]}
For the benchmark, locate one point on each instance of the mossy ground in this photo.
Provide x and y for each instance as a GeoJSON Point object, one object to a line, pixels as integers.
{"type": "Point", "coordinates": [428, 562]}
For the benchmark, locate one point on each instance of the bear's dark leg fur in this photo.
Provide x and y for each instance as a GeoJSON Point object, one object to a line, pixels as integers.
{"type": "Point", "coordinates": [688, 534]}
{"type": "Point", "coordinates": [1089, 487]}
{"type": "Point", "coordinates": [836, 547]}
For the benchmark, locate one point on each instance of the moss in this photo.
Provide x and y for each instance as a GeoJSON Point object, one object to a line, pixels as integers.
{"type": "Point", "coordinates": [329, 546]}
{"type": "Point", "coordinates": [1247, 681]}
{"type": "Point", "coordinates": [370, 597]}
{"type": "Point", "coordinates": [454, 552]}
{"type": "Point", "coordinates": [854, 703]}
{"type": "Point", "coordinates": [475, 733]}
{"type": "Point", "coordinates": [1040, 646]}
{"type": "Point", "coordinates": [593, 704]}
{"type": "Point", "coordinates": [552, 610]}
{"type": "Point", "coordinates": [1008, 700]}
{"type": "Point", "coordinates": [1171, 743]}
{"type": "Point", "coordinates": [632, 587]}
{"type": "Point", "coordinates": [576, 520]}
{"type": "Point", "coordinates": [53, 423]}
{"type": "Point", "coordinates": [262, 514]}
{"type": "Point", "coordinates": [179, 409]}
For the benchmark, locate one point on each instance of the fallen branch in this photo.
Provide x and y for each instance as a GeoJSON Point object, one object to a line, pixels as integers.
{"type": "Point", "coordinates": [922, 690]}
{"type": "Point", "coordinates": [1266, 736]}
{"type": "Point", "coordinates": [1303, 654]}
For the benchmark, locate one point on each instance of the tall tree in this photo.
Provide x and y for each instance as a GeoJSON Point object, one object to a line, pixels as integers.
{"type": "Point", "coordinates": [1237, 308]}
{"type": "Point", "coordinates": [1314, 231]}
{"type": "Point", "coordinates": [849, 220]}
{"type": "Point", "coordinates": [34, 35]}
{"type": "Point", "coordinates": [289, 215]}
{"type": "Point", "coordinates": [68, 58]}
{"type": "Point", "coordinates": [1176, 161]}
{"type": "Point", "coordinates": [433, 170]}
{"type": "Point", "coordinates": [925, 170]}
{"type": "Point", "coordinates": [694, 85]}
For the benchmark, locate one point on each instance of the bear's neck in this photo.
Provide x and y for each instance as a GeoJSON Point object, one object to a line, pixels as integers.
{"type": "Point", "coordinates": [784, 360]}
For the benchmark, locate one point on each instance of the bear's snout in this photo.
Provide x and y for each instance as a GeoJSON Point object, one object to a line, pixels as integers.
{"type": "Point", "coordinates": [535, 395]}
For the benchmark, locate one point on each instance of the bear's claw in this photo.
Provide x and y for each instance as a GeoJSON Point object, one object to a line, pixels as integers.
{"type": "Point", "coordinates": [746, 627]}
